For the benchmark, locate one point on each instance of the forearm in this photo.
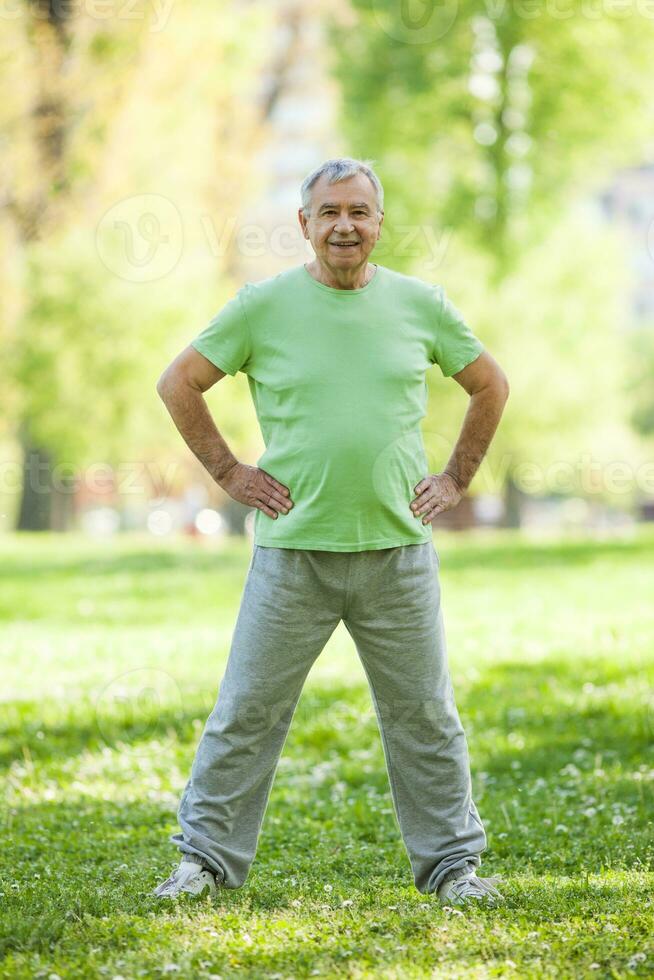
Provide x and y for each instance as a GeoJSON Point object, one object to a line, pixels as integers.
{"type": "Point", "coordinates": [191, 415]}
{"type": "Point", "coordinates": [479, 425]}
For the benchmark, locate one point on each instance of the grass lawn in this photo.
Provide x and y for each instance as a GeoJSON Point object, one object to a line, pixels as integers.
{"type": "Point", "coordinates": [112, 653]}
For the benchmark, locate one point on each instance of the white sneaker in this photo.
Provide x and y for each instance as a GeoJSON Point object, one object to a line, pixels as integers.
{"type": "Point", "coordinates": [190, 878]}
{"type": "Point", "coordinates": [459, 891]}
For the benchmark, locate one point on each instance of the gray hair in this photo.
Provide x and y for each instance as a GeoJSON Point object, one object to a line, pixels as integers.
{"type": "Point", "coordinates": [339, 168]}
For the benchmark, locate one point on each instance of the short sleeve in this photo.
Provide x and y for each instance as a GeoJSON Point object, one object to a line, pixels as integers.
{"type": "Point", "coordinates": [225, 341]}
{"type": "Point", "coordinates": [455, 345]}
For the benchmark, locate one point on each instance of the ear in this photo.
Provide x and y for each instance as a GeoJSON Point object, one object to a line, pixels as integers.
{"type": "Point", "coordinates": [303, 222]}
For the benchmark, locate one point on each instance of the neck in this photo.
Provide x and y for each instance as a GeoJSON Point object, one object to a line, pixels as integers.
{"type": "Point", "coordinates": [353, 278]}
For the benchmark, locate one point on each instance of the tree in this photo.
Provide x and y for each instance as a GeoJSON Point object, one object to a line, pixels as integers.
{"type": "Point", "coordinates": [129, 157]}
{"type": "Point", "coordinates": [488, 123]}
{"type": "Point", "coordinates": [499, 111]}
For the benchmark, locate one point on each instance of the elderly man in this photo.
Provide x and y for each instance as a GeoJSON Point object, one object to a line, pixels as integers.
{"type": "Point", "coordinates": [335, 352]}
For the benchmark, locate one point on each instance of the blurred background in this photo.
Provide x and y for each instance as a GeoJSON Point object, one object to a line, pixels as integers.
{"type": "Point", "coordinates": [152, 155]}
{"type": "Point", "coordinates": [151, 164]}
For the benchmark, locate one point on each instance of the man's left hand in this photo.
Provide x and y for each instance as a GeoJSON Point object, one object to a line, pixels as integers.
{"type": "Point", "coordinates": [435, 494]}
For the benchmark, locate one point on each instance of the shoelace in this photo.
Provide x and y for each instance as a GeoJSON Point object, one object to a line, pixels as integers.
{"type": "Point", "coordinates": [474, 887]}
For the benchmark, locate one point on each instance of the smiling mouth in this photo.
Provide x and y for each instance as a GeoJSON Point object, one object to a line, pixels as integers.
{"type": "Point", "coordinates": [344, 244]}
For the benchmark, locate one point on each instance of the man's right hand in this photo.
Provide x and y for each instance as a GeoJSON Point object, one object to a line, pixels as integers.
{"type": "Point", "coordinates": [256, 488]}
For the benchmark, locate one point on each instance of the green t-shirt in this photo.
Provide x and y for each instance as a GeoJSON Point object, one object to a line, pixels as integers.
{"type": "Point", "coordinates": [337, 377]}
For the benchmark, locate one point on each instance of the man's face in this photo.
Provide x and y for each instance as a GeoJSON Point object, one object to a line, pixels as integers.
{"type": "Point", "coordinates": [344, 212]}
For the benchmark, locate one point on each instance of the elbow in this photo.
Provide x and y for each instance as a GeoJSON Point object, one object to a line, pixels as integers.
{"type": "Point", "coordinates": [164, 385]}
{"type": "Point", "coordinates": [161, 386]}
{"type": "Point", "coordinates": [501, 386]}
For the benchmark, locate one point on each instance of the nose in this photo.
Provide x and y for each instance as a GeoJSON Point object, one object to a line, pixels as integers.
{"type": "Point", "coordinates": [343, 225]}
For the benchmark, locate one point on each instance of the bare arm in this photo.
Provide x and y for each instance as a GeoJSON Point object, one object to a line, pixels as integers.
{"type": "Point", "coordinates": [488, 387]}
{"type": "Point", "coordinates": [181, 387]}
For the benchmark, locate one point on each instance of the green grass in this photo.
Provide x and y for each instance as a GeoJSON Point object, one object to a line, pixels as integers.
{"type": "Point", "coordinates": [112, 653]}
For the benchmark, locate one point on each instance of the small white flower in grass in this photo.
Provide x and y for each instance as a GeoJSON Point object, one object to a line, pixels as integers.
{"type": "Point", "coordinates": [560, 829]}
{"type": "Point", "coordinates": [296, 903]}
{"type": "Point", "coordinates": [636, 959]}
{"type": "Point", "coordinates": [617, 820]}
{"type": "Point", "coordinates": [595, 966]}
{"type": "Point", "coordinates": [392, 908]}
{"type": "Point", "coordinates": [247, 938]}
{"type": "Point", "coordinates": [170, 968]}
{"type": "Point", "coordinates": [347, 902]}
{"type": "Point", "coordinates": [590, 811]}
{"type": "Point", "coordinates": [328, 888]}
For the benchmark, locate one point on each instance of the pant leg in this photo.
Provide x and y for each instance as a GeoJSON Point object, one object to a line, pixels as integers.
{"type": "Point", "coordinates": [290, 606]}
{"type": "Point", "coordinates": [394, 616]}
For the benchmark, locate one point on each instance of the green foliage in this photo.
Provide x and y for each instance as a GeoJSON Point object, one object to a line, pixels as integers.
{"type": "Point", "coordinates": [489, 125]}
{"type": "Point", "coordinates": [120, 267]}
{"type": "Point", "coordinates": [642, 373]}
{"type": "Point", "coordinates": [557, 711]}
{"type": "Point", "coordinates": [559, 329]}
{"type": "Point", "coordinates": [483, 117]}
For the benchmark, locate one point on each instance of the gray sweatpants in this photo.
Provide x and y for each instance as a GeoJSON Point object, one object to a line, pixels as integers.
{"type": "Point", "coordinates": [293, 600]}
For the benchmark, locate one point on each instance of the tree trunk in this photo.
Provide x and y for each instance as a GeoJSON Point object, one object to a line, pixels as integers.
{"type": "Point", "coordinates": [39, 210]}
{"type": "Point", "coordinates": [35, 512]}
{"type": "Point", "coordinates": [512, 503]}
